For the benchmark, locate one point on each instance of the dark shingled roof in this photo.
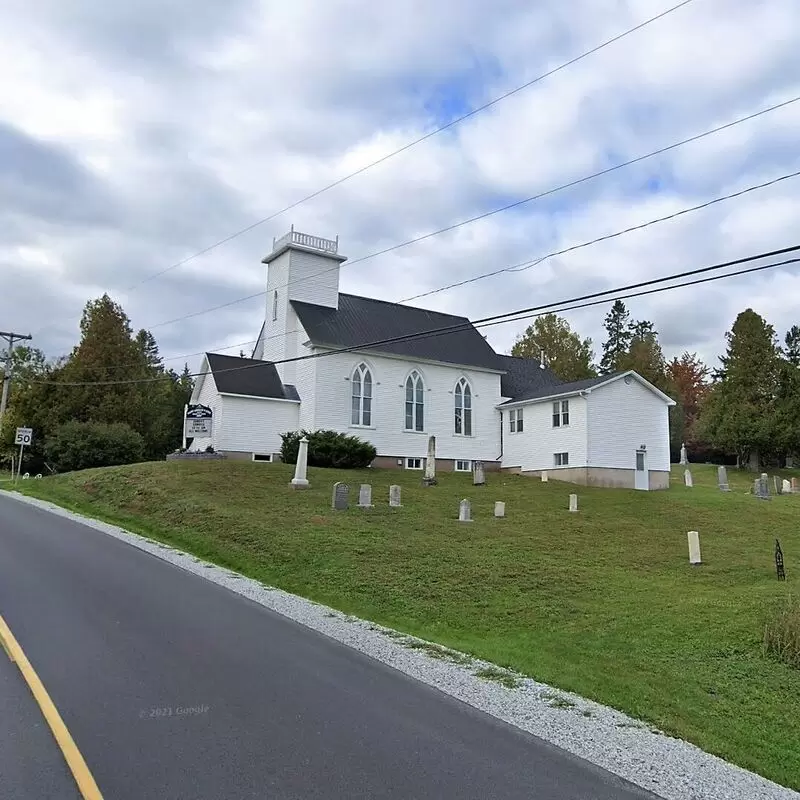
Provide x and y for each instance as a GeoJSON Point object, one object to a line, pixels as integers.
{"type": "Point", "coordinates": [360, 320]}
{"type": "Point", "coordinates": [548, 390]}
{"type": "Point", "coordinates": [524, 375]}
{"type": "Point", "coordinates": [259, 379]}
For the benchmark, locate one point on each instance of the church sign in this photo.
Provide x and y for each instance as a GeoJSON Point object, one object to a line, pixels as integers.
{"type": "Point", "coordinates": [199, 422]}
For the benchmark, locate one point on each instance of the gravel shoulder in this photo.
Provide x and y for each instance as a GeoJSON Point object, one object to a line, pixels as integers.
{"type": "Point", "coordinates": [629, 748]}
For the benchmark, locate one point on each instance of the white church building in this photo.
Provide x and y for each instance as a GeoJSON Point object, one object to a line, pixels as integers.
{"type": "Point", "coordinates": [513, 414]}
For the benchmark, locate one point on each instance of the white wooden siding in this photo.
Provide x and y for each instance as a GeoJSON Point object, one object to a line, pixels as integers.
{"type": "Point", "coordinates": [333, 395]}
{"type": "Point", "coordinates": [313, 278]}
{"type": "Point", "coordinates": [622, 417]}
{"type": "Point", "coordinates": [254, 425]}
{"type": "Point", "coordinates": [533, 449]}
{"type": "Point", "coordinates": [205, 393]}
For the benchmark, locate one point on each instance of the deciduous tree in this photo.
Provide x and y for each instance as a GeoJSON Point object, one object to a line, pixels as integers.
{"type": "Point", "coordinates": [569, 356]}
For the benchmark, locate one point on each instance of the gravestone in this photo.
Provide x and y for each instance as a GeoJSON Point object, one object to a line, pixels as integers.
{"type": "Point", "coordinates": [795, 485]}
{"type": "Point", "coordinates": [786, 487]}
{"type": "Point", "coordinates": [430, 464]}
{"type": "Point", "coordinates": [694, 548]}
{"type": "Point", "coordinates": [499, 509]}
{"type": "Point", "coordinates": [341, 496]}
{"type": "Point", "coordinates": [761, 488]}
{"type": "Point", "coordinates": [573, 502]}
{"type": "Point", "coordinates": [394, 496]}
{"type": "Point", "coordinates": [300, 468]}
{"type": "Point", "coordinates": [722, 479]}
{"type": "Point", "coordinates": [687, 478]}
{"type": "Point", "coordinates": [684, 455]}
{"type": "Point", "coordinates": [464, 511]}
{"type": "Point", "coordinates": [365, 496]}
{"type": "Point", "coordinates": [478, 476]}
{"type": "Point", "coordinates": [776, 486]}
{"type": "Point", "coordinates": [544, 476]}
{"type": "Point", "coordinates": [789, 462]}
{"type": "Point", "coordinates": [779, 568]}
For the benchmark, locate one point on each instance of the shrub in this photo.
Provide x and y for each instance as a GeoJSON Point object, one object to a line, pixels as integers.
{"type": "Point", "coordinates": [782, 633]}
{"type": "Point", "coordinates": [328, 449]}
{"type": "Point", "coordinates": [81, 445]}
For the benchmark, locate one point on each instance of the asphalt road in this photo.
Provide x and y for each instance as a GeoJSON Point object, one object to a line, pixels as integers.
{"type": "Point", "coordinates": [174, 687]}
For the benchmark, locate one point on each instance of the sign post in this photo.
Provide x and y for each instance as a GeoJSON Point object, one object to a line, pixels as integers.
{"type": "Point", "coordinates": [198, 423]}
{"type": "Point", "coordinates": [23, 438]}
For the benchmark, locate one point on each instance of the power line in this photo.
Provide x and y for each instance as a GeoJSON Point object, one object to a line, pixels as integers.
{"type": "Point", "coordinates": [511, 316]}
{"type": "Point", "coordinates": [523, 265]}
{"type": "Point", "coordinates": [410, 144]}
{"type": "Point", "coordinates": [515, 204]}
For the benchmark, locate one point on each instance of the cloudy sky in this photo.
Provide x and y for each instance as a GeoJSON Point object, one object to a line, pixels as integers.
{"type": "Point", "coordinates": [133, 135]}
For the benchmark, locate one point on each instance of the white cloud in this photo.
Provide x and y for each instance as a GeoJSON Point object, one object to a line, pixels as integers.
{"type": "Point", "coordinates": [147, 136]}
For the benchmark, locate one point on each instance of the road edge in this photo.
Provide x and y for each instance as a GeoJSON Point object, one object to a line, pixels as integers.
{"type": "Point", "coordinates": [632, 750]}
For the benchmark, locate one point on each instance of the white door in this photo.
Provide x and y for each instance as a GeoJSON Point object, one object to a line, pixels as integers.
{"type": "Point", "coordinates": [641, 477]}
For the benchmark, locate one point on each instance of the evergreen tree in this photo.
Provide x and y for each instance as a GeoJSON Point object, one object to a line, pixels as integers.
{"type": "Point", "coordinates": [792, 342]}
{"type": "Point", "coordinates": [567, 355]}
{"type": "Point", "coordinates": [740, 413]}
{"type": "Point", "coordinates": [618, 342]}
{"type": "Point", "coordinates": [644, 354]}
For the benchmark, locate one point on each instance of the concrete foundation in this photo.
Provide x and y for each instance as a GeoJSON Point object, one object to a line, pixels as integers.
{"type": "Point", "coordinates": [442, 464]}
{"type": "Point", "coordinates": [604, 477]}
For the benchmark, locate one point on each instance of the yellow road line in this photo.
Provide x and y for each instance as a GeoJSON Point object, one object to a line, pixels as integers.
{"type": "Point", "coordinates": [86, 783]}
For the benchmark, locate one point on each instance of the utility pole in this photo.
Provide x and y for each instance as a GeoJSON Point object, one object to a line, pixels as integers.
{"type": "Point", "coordinates": [11, 338]}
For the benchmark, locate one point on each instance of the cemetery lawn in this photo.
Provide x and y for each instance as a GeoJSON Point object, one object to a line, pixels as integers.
{"type": "Point", "coordinates": [602, 602]}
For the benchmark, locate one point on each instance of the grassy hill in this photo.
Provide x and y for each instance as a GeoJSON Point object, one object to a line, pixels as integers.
{"type": "Point", "coordinates": [603, 602]}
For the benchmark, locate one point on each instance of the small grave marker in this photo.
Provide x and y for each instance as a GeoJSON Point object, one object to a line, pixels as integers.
{"type": "Point", "coordinates": [687, 478]}
{"type": "Point", "coordinates": [544, 476]}
{"type": "Point", "coordinates": [573, 502]}
{"type": "Point", "coordinates": [394, 496]}
{"type": "Point", "coordinates": [722, 479]}
{"type": "Point", "coordinates": [684, 455]}
{"type": "Point", "coordinates": [779, 561]}
{"type": "Point", "coordinates": [341, 496]}
{"type": "Point", "coordinates": [694, 548]}
{"type": "Point", "coordinates": [365, 496]}
{"type": "Point", "coordinates": [464, 511]}
{"type": "Point", "coordinates": [478, 476]}
{"type": "Point", "coordinates": [786, 487]}
{"type": "Point", "coordinates": [499, 509]}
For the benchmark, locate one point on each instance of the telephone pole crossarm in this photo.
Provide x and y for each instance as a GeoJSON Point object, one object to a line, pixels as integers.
{"type": "Point", "coordinates": [11, 338]}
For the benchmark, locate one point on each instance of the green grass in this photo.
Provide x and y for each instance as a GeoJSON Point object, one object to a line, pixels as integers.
{"type": "Point", "coordinates": [602, 602]}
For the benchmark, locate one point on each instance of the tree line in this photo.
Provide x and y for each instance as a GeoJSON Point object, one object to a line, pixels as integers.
{"type": "Point", "coordinates": [747, 409]}
{"type": "Point", "coordinates": [80, 425]}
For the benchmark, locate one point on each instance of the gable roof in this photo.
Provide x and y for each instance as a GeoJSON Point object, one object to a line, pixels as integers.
{"type": "Point", "coordinates": [248, 376]}
{"type": "Point", "coordinates": [360, 320]}
{"type": "Point", "coordinates": [574, 387]}
{"type": "Point", "coordinates": [524, 375]}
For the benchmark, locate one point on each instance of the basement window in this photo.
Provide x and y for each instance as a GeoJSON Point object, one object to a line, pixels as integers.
{"type": "Point", "coordinates": [561, 459]}
{"type": "Point", "coordinates": [413, 463]}
{"type": "Point", "coordinates": [463, 466]}
{"type": "Point", "coordinates": [267, 457]}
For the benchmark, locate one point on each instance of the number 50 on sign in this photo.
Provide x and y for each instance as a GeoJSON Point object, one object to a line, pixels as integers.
{"type": "Point", "coordinates": [24, 436]}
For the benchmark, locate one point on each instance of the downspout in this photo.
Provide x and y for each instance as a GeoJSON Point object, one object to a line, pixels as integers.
{"type": "Point", "coordinates": [500, 457]}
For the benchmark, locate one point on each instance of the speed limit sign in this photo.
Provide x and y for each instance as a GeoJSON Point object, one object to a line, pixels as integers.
{"type": "Point", "coordinates": [24, 436]}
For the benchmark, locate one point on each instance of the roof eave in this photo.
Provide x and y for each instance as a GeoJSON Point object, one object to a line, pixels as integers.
{"type": "Point", "coordinates": [397, 357]}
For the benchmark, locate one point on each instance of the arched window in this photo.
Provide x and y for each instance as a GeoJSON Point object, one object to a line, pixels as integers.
{"type": "Point", "coordinates": [463, 408]}
{"type": "Point", "coordinates": [415, 402]}
{"type": "Point", "coordinates": [361, 403]}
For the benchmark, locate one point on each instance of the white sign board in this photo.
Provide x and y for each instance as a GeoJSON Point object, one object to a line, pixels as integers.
{"type": "Point", "coordinates": [199, 422]}
{"type": "Point", "coordinates": [24, 436]}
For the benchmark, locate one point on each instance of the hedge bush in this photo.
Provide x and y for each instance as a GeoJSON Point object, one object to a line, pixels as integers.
{"type": "Point", "coordinates": [82, 445]}
{"type": "Point", "coordinates": [328, 449]}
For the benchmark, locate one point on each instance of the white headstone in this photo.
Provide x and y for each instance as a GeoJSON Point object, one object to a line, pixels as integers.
{"type": "Point", "coordinates": [478, 476]}
{"type": "Point", "coordinates": [544, 476]}
{"type": "Point", "coordinates": [430, 463]}
{"type": "Point", "coordinates": [722, 479]}
{"type": "Point", "coordinates": [365, 496]}
{"type": "Point", "coordinates": [786, 486]}
{"type": "Point", "coordinates": [499, 509]}
{"type": "Point", "coordinates": [464, 511]}
{"type": "Point", "coordinates": [340, 499]}
{"type": "Point", "coordinates": [694, 547]}
{"type": "Point", "coordinates": [301, 467]}
{"type": "Point", "coordinates": [684, 455]}
{"type": "Point", "coordinates": [687, 478]}
{"type": "Point", "coordinates": [573, 502]}
{"type": "Point", "coordinates": [394, 496]}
